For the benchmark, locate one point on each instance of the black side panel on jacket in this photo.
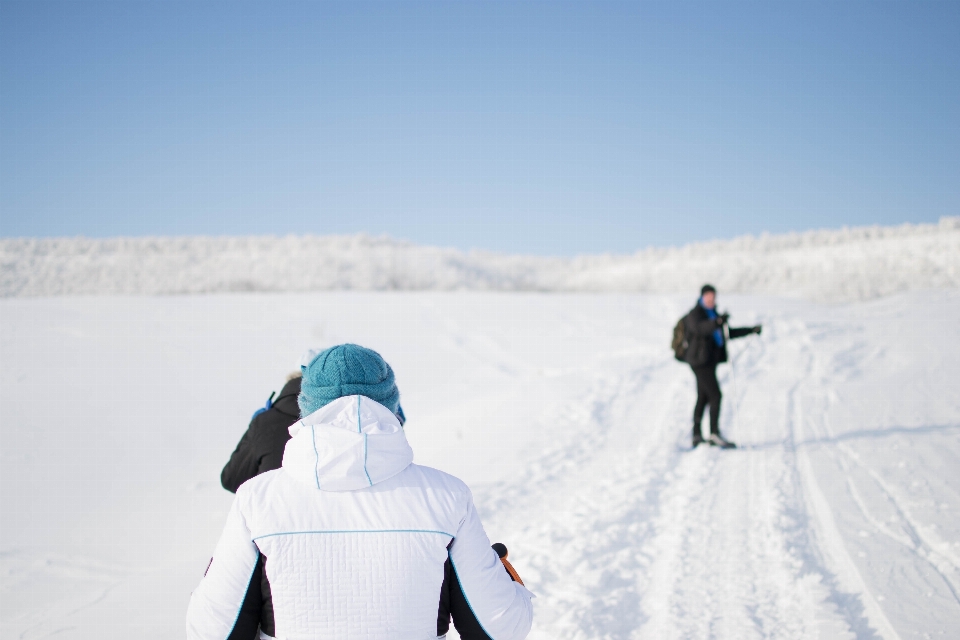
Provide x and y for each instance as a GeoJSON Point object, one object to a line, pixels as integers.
{"type": "Point", "coordinates": [443, 613]}
{"type": "Point", "coordinates": [248, 620]}
{"type": "Point", "coordinates": [261, 447]}
{"type": "Point", "coordinates": [454, 604]}
{"type": "Point", "coordinates": [267, 622]}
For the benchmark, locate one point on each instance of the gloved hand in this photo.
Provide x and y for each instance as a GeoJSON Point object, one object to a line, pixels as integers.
{"type": "Point", "coordinates": [722, 319]}
{"type": "Point", "coordinates": [266, 407]}
{"type": "Point", "coordinates": [757, 329]}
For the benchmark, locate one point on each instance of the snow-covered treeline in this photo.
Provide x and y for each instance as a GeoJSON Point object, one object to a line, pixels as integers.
{"type": "Point", "coordinates": [827, 265]}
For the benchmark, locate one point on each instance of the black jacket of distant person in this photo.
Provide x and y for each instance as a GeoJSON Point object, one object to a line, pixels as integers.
{"type": "Point", "coordinates": [702, 350]}
{"type": "Point", "coordinates": [261, 450]}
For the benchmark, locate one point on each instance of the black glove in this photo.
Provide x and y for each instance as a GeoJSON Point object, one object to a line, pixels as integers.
{"type": "Point", "coordinates": [722, 319]}
{"type": "Point", "coordinates": [757, 329]}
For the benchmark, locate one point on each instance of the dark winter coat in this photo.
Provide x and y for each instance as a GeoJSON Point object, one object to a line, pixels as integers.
{"type": "Point", "coordinates": [261, 447]}
{"type": "Point", "coordinates": [702, 348]}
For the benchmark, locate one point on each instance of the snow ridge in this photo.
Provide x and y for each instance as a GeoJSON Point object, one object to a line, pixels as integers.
{"type": "Point", "coordinates": [828, 265]}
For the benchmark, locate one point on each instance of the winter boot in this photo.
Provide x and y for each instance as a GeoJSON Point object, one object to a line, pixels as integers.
{"type": "Point", "coordinates": [697, 438]}
{"type": "Point", "coordinates": [716, 440]}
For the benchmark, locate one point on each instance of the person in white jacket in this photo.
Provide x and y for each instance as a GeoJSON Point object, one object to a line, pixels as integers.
{"type": "Point", "coordinates": [354, 534]}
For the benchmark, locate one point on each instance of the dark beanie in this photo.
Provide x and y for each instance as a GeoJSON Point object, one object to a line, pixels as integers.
{"type": "Point", "coordinates": [707, 288]}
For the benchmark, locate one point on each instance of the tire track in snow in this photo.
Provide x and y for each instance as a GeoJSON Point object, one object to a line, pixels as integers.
{"type": "Point", "coordinates": [726, 564]}
{"type": "Point", "coordinates": [847, 586]}
{"type": "Point", "coordinates": [923, 550]}
{"type": "Point", "coordinates": [914, 539]}
{"type": "Point", "coordinates": [912, 536]}
{"type": "Point", "coordinates": [827, 553]}
{"type": "Point", "coordinates": [843, 493]}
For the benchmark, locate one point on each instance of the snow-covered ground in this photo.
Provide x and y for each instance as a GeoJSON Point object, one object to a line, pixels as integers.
{"type": "Point", "coordinates": [826, 265]}
{"type": "Point", "coordinates": [838, 518]}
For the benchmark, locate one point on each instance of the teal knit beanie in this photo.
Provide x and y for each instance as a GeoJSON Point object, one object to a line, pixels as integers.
{"type": "Point", "coordinates": [347, 370]}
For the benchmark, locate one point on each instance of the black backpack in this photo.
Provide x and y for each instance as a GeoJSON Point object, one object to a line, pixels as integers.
{"type": "Point", "coordinates": [680, 342]}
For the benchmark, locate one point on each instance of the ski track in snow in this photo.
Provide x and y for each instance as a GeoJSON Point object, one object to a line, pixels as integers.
{"type": "Point", "coordinates": [636, 537]}
{"type": "Point", "coordinates": [836, 517]}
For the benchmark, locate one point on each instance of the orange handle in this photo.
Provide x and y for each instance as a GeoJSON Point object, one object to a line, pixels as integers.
{"type": "Point", "coordinates": [509, 567]}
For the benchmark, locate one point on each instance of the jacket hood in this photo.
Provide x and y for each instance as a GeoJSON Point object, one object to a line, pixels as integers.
{"type": "Point", "coordinates": [351, 443]}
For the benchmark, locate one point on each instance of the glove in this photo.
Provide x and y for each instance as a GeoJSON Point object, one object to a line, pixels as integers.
{"type": "Point", "coordinates": [266, 407]}
{"type": "Point", "coordinates": [757, 329]}
{"type": "Point", "coordinates": [722, 319]}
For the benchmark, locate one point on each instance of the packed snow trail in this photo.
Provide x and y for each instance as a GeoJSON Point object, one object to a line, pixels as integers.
{"type": "Point", "coordinates": [627, 534]}
{"type": "Point", "coordinates": [639, 537]}
{"type": "Point", "coordinates": [838, 516]}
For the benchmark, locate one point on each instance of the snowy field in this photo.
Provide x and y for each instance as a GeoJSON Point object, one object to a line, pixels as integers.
{"type": "Point", "coordinates": [838, 518]}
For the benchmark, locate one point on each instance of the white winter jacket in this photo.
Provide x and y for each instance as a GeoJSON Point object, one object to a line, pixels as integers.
{"type": "Point", "coordinates": [355, 538]}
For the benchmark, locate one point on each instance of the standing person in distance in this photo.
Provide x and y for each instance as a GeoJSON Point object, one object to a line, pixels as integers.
{"type": "Point", "coordinates": [704, 330]}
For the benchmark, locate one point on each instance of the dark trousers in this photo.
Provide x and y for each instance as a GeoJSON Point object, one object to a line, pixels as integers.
{"type": "Point", "coordinates": [708, 393]}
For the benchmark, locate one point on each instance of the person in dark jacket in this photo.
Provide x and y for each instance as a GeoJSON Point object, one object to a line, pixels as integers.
{"type": "Point", "coordinates": [706, 348]}
{"type": "Point", "coordinates": [261, 447]}
{"type": "Point", "coordinates": [260, 450]}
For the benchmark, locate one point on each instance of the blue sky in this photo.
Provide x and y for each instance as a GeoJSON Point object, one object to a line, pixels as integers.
{"type": "Point", "coordinates": [550, 128]}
